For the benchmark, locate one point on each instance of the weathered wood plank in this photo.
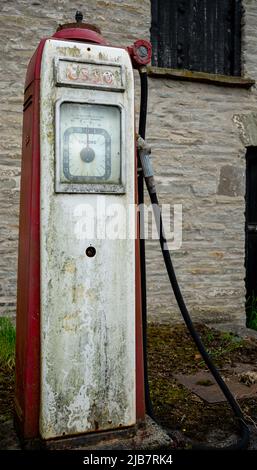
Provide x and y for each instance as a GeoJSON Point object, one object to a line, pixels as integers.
{"type": "Point", "coordinates": [200, 35]}
{"type": "Point", "coordinates": [203, 77]}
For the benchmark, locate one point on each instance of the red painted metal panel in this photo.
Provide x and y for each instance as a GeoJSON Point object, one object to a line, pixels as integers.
{"type": "Point", "coordinates": [34, 67]}
{"type": "Point", "coordinates": [27, 388]}
{"type": "Point", "coordinates": [23, 265]}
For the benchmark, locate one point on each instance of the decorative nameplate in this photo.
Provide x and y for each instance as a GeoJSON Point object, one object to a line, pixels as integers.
{"type": "Point", "coordinates": [93, 75]}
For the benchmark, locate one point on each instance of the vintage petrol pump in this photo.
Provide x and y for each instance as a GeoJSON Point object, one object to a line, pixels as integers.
{"type": "Point", "coordinates": [79, 334]}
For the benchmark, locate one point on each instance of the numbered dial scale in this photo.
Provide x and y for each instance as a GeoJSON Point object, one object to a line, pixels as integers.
{"type": "Point", "coordinates": [89, 144]}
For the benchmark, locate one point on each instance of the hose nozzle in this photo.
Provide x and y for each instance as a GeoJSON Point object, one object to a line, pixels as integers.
{"type": "Point", "coordinates": [144, 152]}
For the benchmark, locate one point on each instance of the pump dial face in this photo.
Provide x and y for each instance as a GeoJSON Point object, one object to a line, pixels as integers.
{"type": "Point", "coordinates": [90, 143]}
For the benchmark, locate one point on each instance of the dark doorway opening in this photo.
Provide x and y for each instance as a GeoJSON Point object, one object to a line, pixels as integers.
{"type": "Point", "coordinates": [251, 237]}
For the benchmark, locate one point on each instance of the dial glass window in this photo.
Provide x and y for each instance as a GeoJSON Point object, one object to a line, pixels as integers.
{"type": "Point", "coordinates": [90, 143]}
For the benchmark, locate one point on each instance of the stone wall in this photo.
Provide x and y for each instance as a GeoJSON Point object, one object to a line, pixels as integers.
{"type": "Point", "coordinates": [198, 154]}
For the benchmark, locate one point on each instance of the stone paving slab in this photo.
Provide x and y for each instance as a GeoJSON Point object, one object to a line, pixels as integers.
{"type": "Point", "coordinates": [203, 384]}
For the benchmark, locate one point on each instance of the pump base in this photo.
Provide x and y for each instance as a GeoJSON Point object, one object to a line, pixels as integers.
{"type": "Point", "coordinates": [145, 435]}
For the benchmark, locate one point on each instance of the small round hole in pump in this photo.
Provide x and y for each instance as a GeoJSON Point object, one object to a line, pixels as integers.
{"type": "Point", "coordinates": [88, 49]}
{"type": "Point", "coordinates": [90, 251]}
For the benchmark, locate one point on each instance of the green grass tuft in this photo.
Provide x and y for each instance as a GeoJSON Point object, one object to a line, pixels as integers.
{"type": "Point", "coordinates": [7, 343]}
{"type": "Point", "coordinates": [251, 312]}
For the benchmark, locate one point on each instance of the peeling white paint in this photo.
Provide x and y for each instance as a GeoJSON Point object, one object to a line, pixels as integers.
{"type": "Point", "coordinates": [87, 304]}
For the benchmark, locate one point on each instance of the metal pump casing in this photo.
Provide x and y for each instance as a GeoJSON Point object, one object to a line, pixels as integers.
{"type": "Point", "coordinates": [87, 304]}
{"type": "Point", "coordinates": [79, 346]}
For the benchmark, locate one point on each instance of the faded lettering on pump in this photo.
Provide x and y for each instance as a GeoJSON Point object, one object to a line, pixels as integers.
{"type": "Point", "coordinates": [77, 73]}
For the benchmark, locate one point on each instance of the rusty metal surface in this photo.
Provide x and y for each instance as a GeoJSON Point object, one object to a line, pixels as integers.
{"type": "Point", "coordinates": [203, 384]}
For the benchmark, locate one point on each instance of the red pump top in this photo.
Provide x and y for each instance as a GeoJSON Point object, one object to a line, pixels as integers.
{"type": "Point", "coordinates": [80, 34]}
{"type": "Point", "coordinates": [140, 52]}
{"type": "Point", "coordinates": [71, 31]}
{"type": "Point", "coordinates": [80, 31]}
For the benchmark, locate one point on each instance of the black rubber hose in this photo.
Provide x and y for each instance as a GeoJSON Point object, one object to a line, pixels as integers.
{"type": "Point", "coordinates": [143, 102]}
{"type": "Point", "coordinates": [142, 129]}
{"type": "Point", "coordinates": [244, 441]}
